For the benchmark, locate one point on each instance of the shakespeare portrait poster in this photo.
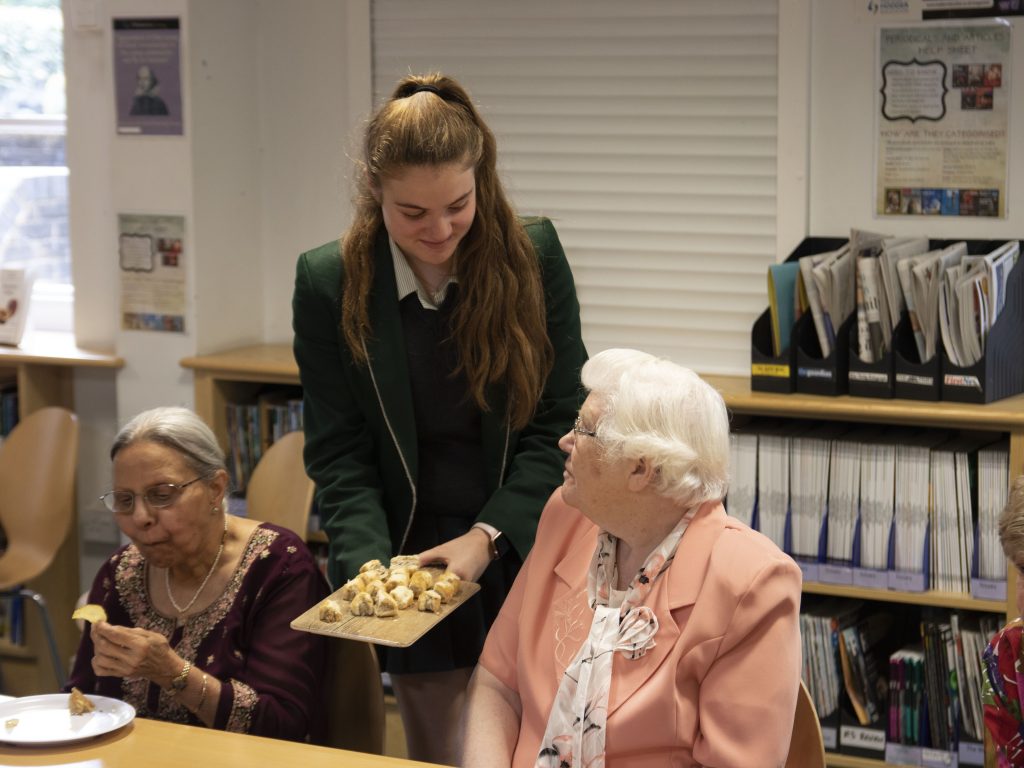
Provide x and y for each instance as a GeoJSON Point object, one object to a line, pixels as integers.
{"type": "Point", "coordinates": [147, 76]}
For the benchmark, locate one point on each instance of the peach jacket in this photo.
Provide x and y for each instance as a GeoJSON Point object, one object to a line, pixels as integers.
{"type": "Point", "coordinates": [718, 690]}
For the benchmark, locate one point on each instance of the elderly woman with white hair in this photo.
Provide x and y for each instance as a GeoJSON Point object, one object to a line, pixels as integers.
{"type": "Point", "coordinates": [198, 604]}
{"type": "Point", "coordinates": [646, 627]}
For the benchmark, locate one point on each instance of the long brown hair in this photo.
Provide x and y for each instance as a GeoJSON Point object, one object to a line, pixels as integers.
{"type": "Point", "coordinates": [499, 324]}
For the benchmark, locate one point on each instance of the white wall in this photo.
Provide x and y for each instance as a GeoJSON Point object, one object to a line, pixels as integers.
{"type": "Point", "coordinates": [271, 92]}
{"type": "Point", "coordinates": [842, 160]}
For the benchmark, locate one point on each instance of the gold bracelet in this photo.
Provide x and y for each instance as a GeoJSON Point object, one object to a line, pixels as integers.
{"type": "Point", "coordinates": [202, 696]}
{"type": "Point", "coordinates": [178, 683]}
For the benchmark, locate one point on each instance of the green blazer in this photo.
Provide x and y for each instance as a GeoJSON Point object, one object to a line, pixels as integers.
{"type": "Point", "coordinates": [361, 447]}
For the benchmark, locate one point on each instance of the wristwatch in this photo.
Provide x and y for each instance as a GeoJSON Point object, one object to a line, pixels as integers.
{"type": "Point", "coordinates": [178, 684]}
{"type": "Point", "coordinates": [493, 534]}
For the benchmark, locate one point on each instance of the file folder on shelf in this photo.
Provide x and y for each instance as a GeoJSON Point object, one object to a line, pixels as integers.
{"type": "Point", "coordinates": [869, 379]}
{"type": "Point", "coordinates": [1000, 372]}
{"type": "Point", "coordinates": [778, 373]}
{"type": "Point", "coordinates": [913, 380]}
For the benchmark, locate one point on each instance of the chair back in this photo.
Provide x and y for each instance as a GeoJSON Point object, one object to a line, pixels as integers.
{"type": "Point", "coordinates": [806, 746]}
{"type": "Point", "coordinates": [279, 490]}
{"type": "Point", "coordinates": [354, 697]}
{"type": "Point", "coordinates": [38, 460]}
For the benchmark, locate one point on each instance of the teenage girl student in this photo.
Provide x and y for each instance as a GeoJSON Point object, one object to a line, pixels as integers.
{"type": "Point", "coordinates": [439, 350]}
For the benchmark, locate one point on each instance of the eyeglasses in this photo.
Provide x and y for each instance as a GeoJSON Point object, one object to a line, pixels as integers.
{"type": "Point", "coordinates": [156, 497]}
{"type": "Point", "coordinates": [577, 427]}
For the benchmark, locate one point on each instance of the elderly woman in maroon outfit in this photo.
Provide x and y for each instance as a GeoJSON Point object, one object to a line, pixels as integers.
{"type": "Point", "coordinates": [199, 603]}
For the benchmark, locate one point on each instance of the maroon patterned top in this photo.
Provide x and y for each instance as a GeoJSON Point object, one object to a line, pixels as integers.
{"type": "Point", "coordinates": [270, 674]}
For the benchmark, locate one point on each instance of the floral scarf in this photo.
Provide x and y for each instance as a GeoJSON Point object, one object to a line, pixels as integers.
{"type": "Point", "coordinates": [575, 733]}
{"type": "Point", "coordinates": [1002, 690]}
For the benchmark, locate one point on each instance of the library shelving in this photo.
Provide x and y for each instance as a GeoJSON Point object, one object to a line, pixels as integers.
{"type": "Point", "coordinates": [41, 369]}
{"type": "Point", "coordinates": [240, 373]}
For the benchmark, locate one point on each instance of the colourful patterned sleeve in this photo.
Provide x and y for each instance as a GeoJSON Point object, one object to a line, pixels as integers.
{"type": "Point", "coordinates": [1001, 670]}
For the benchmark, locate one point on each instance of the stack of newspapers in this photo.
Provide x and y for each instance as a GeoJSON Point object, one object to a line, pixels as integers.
{"type": "Point", "coordinates": [950, 297]}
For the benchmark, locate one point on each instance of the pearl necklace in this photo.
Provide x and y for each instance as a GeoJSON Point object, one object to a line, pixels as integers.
{"type": "Point", "coordinates": [209, 573]}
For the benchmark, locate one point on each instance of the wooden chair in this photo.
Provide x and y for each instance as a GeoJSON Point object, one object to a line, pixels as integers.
{"type": "Point", "coordinates": [279, 490]}
{"type": "Point", "coordinates": [354, 698]}
{"type": "Point", "coordinates": [806, 746]}
{"type": "Point", "coordinates": [37, 504]}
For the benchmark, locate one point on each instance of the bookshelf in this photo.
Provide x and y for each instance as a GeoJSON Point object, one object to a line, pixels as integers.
{"type": "Point", "coordinates": [42, 369]}
{"type": "Point", "coordinates": [239, 373]}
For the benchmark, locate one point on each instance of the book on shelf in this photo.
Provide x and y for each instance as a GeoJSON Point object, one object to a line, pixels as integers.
{"type": "Point", "coordinates": [914, 507]}
{"type": "Point", "coordinates": [783, 303]}
{"type": "Point", "coordinates": [254, 426]}
{"type": "Point", "coordinates": [8, 409]}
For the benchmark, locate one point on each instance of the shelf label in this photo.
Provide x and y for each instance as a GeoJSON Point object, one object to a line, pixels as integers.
{"type": "Point", "coordinates": [769, 369]}
{"type": "Point", "coordinates": [862, 738]}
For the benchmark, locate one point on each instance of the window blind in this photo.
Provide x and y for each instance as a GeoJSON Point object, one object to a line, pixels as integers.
{"type": "Point", "coordinates": [646, 130]}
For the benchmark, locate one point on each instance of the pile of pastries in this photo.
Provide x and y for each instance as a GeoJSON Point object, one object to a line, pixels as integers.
{"type": "Point", "coordinates": [384, 591]}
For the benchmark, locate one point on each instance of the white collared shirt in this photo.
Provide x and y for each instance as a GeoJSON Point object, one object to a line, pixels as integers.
{"type": "Point", "coordinates": [407, 283]}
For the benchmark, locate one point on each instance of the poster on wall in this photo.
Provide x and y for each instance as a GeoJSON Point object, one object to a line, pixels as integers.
{"type": "Point", "coordinates": [942, 111]}
{"type": "Point", "coordinates": [151, 260]}
{"type": "Point", "coordinates": [147, 76]}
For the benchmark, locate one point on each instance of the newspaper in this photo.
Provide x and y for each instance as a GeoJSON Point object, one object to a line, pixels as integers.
{"type": "Point", "coordinates": [867, 246]}
{"type": "Point", "coordinates": [926, 286]}
{"type": "Point", "coordinates": [895, 250]}
{"type": "Point", "coordinates": [833, 281]}
{"type": "Point", "coordinates": [822, 327]}
{"type": "Point", "coordinates": [973, 294]}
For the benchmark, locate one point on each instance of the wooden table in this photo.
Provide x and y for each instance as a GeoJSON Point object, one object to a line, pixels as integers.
{"type": "Point", "coordinates": [155, 744]}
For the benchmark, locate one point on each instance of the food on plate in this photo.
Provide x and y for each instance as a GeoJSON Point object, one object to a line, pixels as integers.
{"type": "Point", "coordinates": [8, 724]}
{"type": "Point", "coordinates": [361, 605]}
{"type": "Point", "coordinates": [330, 611]}
{"type": "Point", "coordinates": [404, 597]}
{"type": "Point", "coordinates": [385, 606]}
{"type": "Point", "coordinates": [370, 565]}
{"type": "Point", "coordinates": [421, 581]}
{"type": "Point", "coordinates": [78, 703]}
{"type": "Point", "coordinates": [407, 563]}
{"type": "Point", "coordinates": [385, 591]}
{"type": "Point", "coordinates": [397, 578]}
{"type": "Point", "coordinates": [445, 589]}
{"type": "Point", "coordinates": [90, 612]}
{"type": "Point", "coordinates": [429, 601]}
{"type": "Point", "coordinates": [350, 589]}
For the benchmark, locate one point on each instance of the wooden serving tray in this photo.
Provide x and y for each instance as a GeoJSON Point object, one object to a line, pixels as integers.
{"type": "Point", "coordinates": [399, 631]}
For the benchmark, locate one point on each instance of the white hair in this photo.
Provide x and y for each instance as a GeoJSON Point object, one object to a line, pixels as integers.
{"type": "Point", "coordinates": [180, 430]}
{"type": "Point", "coordinates": [666, 414]}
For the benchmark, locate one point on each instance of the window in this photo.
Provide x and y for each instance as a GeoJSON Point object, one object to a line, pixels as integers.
{"type": "Point", "coordinates": [647, 131]}
{"type": "Point", "coordinates": [33, 170]}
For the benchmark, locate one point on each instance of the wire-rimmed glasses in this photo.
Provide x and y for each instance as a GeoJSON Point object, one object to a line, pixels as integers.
{"type": "Point", "coordinates": [156, 497]}
{"type": "Point", "coordinates": [579, 429]}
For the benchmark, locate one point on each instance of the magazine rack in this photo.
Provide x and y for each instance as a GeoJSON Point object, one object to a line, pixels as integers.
{"type": "Point", "coordinates": [913, 380]}
{"type": "Point", "coordinates": [1000, 372]}
{"type": "Point", "coordinates": [869, 379]}
{"type": "Point", "coordinates": [771, 373]}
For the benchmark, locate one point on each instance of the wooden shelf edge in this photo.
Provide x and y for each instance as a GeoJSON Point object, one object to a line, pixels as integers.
{"type": "Point", "coordinates": [60, 349]}
{"type": "Point", "coordinates": [1001, 415]}
{"type": "Point", "coordinates": [274, 363]}
{"type": "Point", "coordinates": [929, 598]}
{"type": "Point", "coordinates": [22, 652]}
{"type": "Point", "coordinates": [836, 760]}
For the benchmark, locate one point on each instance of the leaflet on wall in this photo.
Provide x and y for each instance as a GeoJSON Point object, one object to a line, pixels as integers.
{"type": "Point", "coordinates": [942, 110]}
{"type": "Point", "coordinates": [151, 258]}
{"type": "Point", "coordinates": [147, 76]}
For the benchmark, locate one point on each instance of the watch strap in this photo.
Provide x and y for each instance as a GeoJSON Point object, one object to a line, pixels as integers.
{"type": "Point", "coordinates": [493, 534]}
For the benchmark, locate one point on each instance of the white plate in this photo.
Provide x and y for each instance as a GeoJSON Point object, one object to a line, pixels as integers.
{"type": "Point", "coordinates": [47, 720]}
